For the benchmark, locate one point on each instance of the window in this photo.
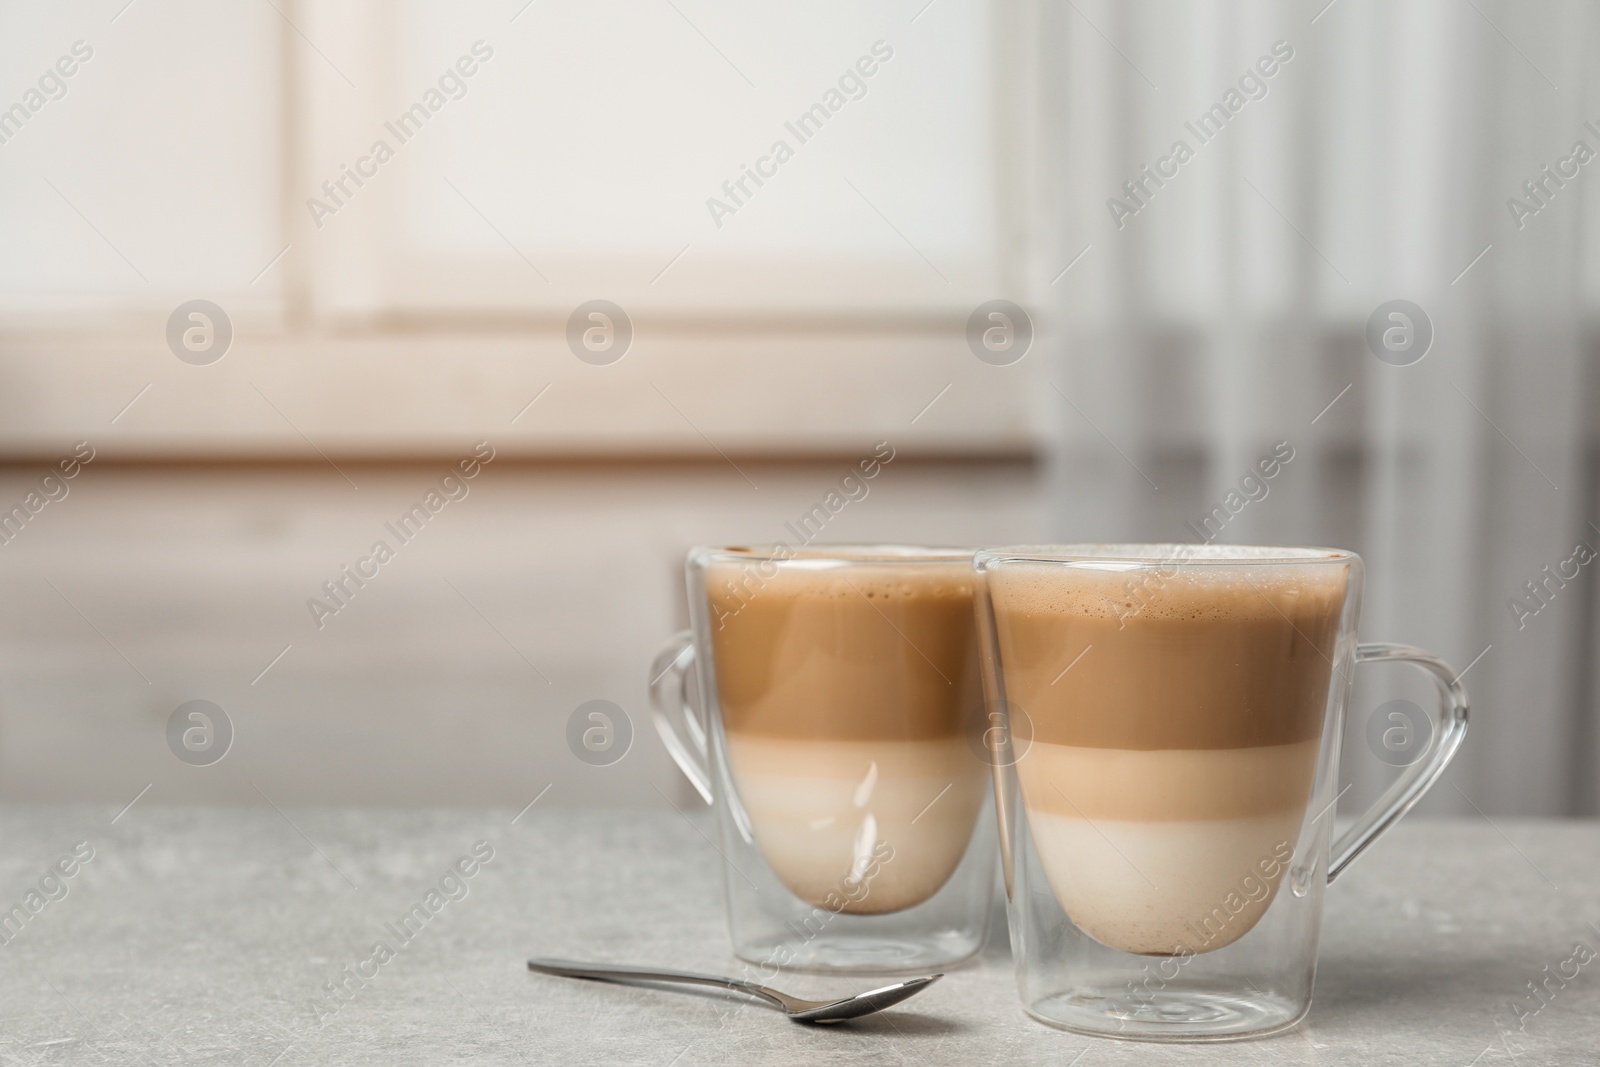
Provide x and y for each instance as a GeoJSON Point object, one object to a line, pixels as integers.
{"type": "Point", "coordinates": [772, 193]}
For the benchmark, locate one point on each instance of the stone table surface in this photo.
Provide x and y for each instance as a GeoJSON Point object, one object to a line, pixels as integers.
{"type": "Point", "coordinates": [198, 935]}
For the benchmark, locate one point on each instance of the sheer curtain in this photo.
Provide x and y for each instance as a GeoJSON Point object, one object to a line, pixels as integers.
{"type": "Point", "coordinates": [1204, 318]}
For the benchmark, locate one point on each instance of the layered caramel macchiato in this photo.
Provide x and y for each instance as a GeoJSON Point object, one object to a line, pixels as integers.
{"type": "Point", "coordinates": [845, 689]}
{"type": "Point", "coordinates": [1176, 714]}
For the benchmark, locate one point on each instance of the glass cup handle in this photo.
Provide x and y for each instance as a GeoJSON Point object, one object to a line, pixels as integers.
{"type": "Point", "coordinates": [676, 720]}
{"type": "Point", "coordinates": [1418, 777]}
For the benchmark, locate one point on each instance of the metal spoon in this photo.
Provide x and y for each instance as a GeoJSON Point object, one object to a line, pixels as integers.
{"type": "Point", "coordinates": [806, 1011]}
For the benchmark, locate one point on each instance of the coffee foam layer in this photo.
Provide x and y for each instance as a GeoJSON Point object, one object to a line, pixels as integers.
{"type": "Point", "coordinates": [861, 827]}
{"type": "Point", "coordinates": [1142, 848]}
{"type": "Point", "coordinates": [730, 584]}
{"type": "Point", "coordinates": [1170, 589]}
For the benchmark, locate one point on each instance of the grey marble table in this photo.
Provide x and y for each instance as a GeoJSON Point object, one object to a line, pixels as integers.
{"type": "Point", "coordinates": [245, 936]}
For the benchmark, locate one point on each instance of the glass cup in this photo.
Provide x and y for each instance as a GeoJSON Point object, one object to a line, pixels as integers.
{"type": "Point", "coordinates": [1166, 755]}
{"type": "Point", "coordinates": [821, 703]}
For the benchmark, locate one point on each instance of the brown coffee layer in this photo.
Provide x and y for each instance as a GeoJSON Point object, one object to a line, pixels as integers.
{"type": "Point", "coordinates": [874, 651]}
{"type": "Point", "coordinates": [1187, 656]}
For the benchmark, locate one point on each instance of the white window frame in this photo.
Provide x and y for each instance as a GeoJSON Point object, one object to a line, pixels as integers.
{"type": "Point", "coordinates": [441, 339]}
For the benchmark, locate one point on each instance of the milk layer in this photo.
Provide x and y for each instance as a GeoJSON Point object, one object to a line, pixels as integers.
{"type": "Point", "coordinates": [878, 825]}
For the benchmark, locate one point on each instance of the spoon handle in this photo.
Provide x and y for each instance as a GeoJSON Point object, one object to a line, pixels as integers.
{"type": "Point", "coordinates": [616, 972]}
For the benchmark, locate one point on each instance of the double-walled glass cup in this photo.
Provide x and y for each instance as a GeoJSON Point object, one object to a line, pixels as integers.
{"type": "Point", "coordinates": [821, 702]}
{"type": "Point", "coordinates": [1166, 768]}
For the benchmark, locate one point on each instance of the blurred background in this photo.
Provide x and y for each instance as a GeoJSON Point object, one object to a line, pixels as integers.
{"type": "Point", "coordinates": [398, 215]}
